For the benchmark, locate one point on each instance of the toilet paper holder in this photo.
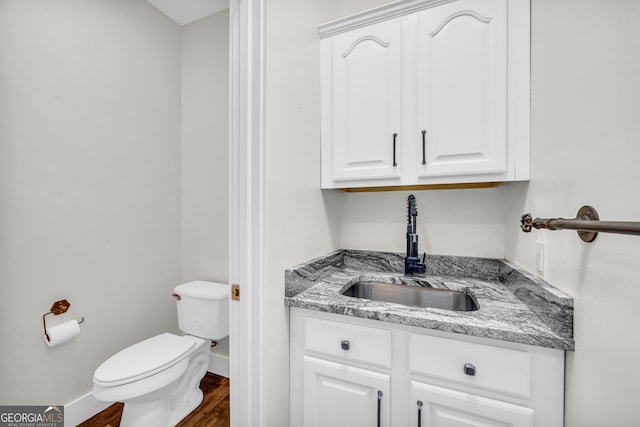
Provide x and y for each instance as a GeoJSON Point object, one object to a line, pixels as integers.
{"type": "Point", "coordinates": [57, 308]}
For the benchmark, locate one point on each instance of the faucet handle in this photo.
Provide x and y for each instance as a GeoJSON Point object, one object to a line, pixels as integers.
{"type": "Point", "coordinates": [412, 206]}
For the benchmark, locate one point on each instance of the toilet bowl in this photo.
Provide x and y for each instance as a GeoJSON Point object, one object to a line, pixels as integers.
{"type": "Point", "coordinates": [158, 378]}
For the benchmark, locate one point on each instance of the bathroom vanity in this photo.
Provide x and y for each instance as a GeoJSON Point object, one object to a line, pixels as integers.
{"type": "Point", "coordinates": [362, 362]}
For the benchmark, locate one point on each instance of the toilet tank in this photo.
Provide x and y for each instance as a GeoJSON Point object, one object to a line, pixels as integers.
{"type": "Point", "coordinates": [203, 309]}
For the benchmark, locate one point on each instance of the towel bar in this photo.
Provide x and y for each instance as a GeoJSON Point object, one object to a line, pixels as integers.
{"type": "Point", "coordinates": [586, 223]}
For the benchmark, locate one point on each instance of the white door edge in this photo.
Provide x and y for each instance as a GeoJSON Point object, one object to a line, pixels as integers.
{"type": "Point", "coordinates": [247, 218]}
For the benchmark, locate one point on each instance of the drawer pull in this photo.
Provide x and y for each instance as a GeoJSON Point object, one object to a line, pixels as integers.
{"type": "Point", "coordinates": [469, 369]}
{"type": "Point", "coordinates": [344, 344]}
{"type": "Point", "coordinates": [419, 402]}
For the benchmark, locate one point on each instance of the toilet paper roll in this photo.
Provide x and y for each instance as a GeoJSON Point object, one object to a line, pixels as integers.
{"type": "Point", "coordinates": [62, 333]}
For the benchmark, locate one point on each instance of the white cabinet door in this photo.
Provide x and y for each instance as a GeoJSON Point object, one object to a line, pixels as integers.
{"type": "Point", "coordinates": [338, 395]}
{"type": "Point", "coordinates": [361, 93]}
{"type": "Point", "coordinates": [434, 406]}
{"type": "Point", "coordinates": [462, 88]}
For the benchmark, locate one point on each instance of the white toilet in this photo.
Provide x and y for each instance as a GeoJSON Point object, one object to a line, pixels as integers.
{"type": "Point", "coordinates": [158, 379]}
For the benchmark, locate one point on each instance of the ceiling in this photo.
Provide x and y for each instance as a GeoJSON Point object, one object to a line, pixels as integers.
{"type": "Point", "coordinates": [184, 12]}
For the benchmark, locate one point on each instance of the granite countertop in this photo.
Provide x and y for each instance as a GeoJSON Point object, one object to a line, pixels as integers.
{"type": "Point", "coordinates": [514, 305]}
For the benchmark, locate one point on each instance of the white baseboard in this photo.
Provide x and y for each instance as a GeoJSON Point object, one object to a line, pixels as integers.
{"type": "Point", "coordinates": [82, 409]}
{"type": "Point", "coordinates": [219, 364]}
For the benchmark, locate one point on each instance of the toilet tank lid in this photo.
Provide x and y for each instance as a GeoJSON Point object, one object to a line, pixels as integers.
{"type": "Point", "coordinates": [203, 289]}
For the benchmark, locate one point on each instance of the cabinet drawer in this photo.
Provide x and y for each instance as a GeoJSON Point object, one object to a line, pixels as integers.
{"type": "Point", "coordinates": [348, 342]}
{"type": "Point", "coordinates": [493, 368]}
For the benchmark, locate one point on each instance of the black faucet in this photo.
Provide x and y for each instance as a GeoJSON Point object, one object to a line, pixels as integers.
{"type": "Point", "coordinates": [412, 263]}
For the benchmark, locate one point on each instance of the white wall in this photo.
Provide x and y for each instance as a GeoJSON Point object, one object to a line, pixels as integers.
{"type": "Point", "coordinates": [89, 186]}
{"type": "Point", "coordinates": [100, 202]}
{"type": "Point", "coordinates": [586, 146]}
{"type": "Point", "coordinates": [204, 171]}
{"type": "Point", "coordinates": [450, 222]}
{"type": "Point", "coordinates": [301, 220]}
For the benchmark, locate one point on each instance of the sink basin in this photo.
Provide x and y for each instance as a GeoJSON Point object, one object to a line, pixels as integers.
{"type": "Point", "coordinates": [412, 295]}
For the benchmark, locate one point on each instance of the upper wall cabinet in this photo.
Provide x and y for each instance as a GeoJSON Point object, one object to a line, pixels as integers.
{"type": "Point", "coordinates": [427, 92]}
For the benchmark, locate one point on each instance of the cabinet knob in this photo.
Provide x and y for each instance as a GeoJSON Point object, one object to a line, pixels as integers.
{"type": "Point", "coordinates": [469, 369]}
{"type": "Point", "coordinates": [344, 344]}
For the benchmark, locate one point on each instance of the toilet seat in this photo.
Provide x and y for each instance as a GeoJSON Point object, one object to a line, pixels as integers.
{"type": "Point", "coordinates": [144, 359]}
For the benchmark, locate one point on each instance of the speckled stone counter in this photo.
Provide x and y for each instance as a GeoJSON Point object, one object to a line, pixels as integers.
{"type": "Point", "coordinates": [513, 304]}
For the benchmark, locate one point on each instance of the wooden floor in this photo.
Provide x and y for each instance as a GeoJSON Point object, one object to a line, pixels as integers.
{"type": "Point", "coordinates": [212, 412]}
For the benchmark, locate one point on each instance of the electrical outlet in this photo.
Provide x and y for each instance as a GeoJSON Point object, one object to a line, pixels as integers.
{"type": "Point", "coordinates": [541, 259]}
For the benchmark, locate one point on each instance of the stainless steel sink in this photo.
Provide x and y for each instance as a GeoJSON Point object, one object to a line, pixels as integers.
{"type": "Point", "coordinates": [412, 295]}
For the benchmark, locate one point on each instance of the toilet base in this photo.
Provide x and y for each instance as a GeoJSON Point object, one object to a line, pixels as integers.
{"type": "Point", "coordinates": [145, 413]}
{"type": "Point", "coordinates": [186, 407]}
{"type": "Point", "coordinates": [168, 406]}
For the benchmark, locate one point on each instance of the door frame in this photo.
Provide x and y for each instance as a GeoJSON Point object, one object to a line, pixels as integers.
{"type": "Point", "coordinates": [247, 213]}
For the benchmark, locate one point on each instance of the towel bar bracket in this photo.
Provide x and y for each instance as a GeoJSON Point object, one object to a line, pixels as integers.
{"type": "Point", "coordinates": [587, 223]}
{"type": "Point", "coordinates": [587, 213]}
